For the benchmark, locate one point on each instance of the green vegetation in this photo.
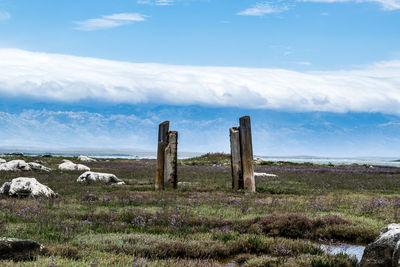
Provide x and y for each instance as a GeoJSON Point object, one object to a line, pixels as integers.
{"type": "Point", "coordinates": [204, 222]}
{"type": "Point", "coordinates": [209, 159]}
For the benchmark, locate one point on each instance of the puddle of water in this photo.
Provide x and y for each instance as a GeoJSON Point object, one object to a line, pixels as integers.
{"type": "Point", "coordinates": [229, 262]}
{"type": "Point", "coordinates": [351, 250]}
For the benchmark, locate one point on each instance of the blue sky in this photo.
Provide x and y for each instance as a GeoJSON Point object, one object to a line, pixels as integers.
{"type": "Point", "coordinates": [318, 77]}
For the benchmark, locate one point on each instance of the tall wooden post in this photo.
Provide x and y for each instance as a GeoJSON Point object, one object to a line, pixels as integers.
{"type": "Point", "coordinates": [246, 147]}
{"type": "Point", "coordinates": [171, 161]}
{"type": "Point", "coordinates": [236, 162]}
{"type": "Point", "coordinates": [163, 129]}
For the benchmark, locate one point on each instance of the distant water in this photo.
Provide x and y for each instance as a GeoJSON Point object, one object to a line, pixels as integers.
{"type": "Point", "coordinates": [350, 250]}
{"type": "Point", "coordinates": [183, 155]}
{"type": "Point", "coordinates": [98, 154]}
{"type": "Point", "coordinates": [337, 161]}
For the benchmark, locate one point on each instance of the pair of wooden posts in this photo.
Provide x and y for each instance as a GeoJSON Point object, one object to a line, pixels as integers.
{"type": "Point", "coordinates": [167, 157]}
{"type": "Point", "coordinates": [242, 156]}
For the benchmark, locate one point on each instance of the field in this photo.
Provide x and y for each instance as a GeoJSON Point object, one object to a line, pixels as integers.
{"type": "Point", "coordinates": [203, 222]}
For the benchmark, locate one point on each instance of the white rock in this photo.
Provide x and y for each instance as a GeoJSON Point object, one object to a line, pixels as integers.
{"type": "Point", "coordinates": [19, 250]}
{"type": "Point", "coordinates": [21, 165]}
{"type": "Point", "coordinates": [26, 187]}
{"type": "Point", "coordinates": [263, 174]}
{"type": "Point", "coordinates": [184, 183]}
{"type": "Point", "coordinates": [187, 183]}
{"type": "Point", "coordinates": [390, 227]}
{"type": "Point", "coordinates": [70, 166]}
{"type": "Point", "coordinates": [396, 255]}
{"type": "Point", "coordinates": [257, 160]}
{"type": "Point", "coordinates": [37, 166]}
{"type": "Point", "coordinates": [91, 177]}
{"type": "Point", "coordinates": [15, 165]}
{"type": "Point", "coordinates": [86, 159]}
{"type": "Point", "coordinates": [383, 252]}
{"type": "Point", "coordinates": [2, 161]}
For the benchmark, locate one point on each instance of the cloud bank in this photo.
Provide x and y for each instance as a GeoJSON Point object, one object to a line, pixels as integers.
{"type": "Point", "coordinates": [55, 129]}
{"type": "Point", "coordinates": [53, 77]}
{"type": "Point", "coordinates": [274, 133]}
{"type": "Point", "coordinates": [48, 129]}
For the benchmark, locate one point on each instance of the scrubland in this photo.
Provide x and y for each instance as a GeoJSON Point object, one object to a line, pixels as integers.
{"type": "Point", "coordinates": [203, 222]}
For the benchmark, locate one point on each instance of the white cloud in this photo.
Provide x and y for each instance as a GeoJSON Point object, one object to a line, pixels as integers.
{"type": "Point", "coordinates": [126, 17]}
{"type": "Point", "coordinates": [303, 63]}
{"type": "Point", "coordinates": [156, 2]}
{"type": "Point", "coordinates": [263, 8]}
{"type": "Point", "coordinates": [260, 9]}
{"type": "Point", "coordinates": [386, 4]}
{"type": "Point", "coordinates": [388, 124]}
{"type": "Point", "coordinates": [164, 2]}
{"type": "Point", "coordinates": [49, 77]}
{"type": "Point", "coordinates": [4, 15]}
{"type": "Point", "coordinates": [110, 21]}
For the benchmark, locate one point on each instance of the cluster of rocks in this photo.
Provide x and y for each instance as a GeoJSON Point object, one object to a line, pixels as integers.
{"type": "Point", "coordinates": [21, 165]}
{"type": "Point", "coordinates": [30, 187]}
{"type": "Point", "coordinates": [89, 176]}
{"type": "Point", "coordinates": [21, 250]}
{"type": "Point", "coordinates": [385, 250]}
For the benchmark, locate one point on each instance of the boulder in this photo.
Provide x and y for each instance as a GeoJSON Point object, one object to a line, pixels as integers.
{"type": "Point", "coordinates": [258, 161]}
{"type": "Point", "coordinates": [18, 249]}
{"type": "Point", "coordinates": [92, 177]}
{"type": "Point", "coordinates": [39, 167]}
{"type": "Point", "coordinates": [86, 159]}
{"type": "Point", "coordinates": [2, 161]}
{"type": "Point", "coordinates": [185, 183]}
{"type": "Point", "coordinates": [396, 255]}
{"type": "Point", "coordinates": [263, 174]}
{"type": "Point", "coordinates": [15, 165]}
{"type": "Point", "coordinates": [384, 250]}
{"type": "Point", "coordinates": [68, 165]}
{"type": "Point", "coordinates": [26, 187]}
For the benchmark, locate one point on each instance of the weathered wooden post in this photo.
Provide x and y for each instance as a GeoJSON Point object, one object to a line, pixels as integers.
{"type": "Point", "coordinates": [246, 147]}
{"type": "Point", "coordinates": [163, 129]}
{"type": "Point", "coordinates": [171, 161]}
{"type": "Point", "coordinates": [236, 162]}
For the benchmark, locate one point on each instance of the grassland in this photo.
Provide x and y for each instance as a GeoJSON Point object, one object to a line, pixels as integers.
{"type": "Point", "coordinates": [203, 222]}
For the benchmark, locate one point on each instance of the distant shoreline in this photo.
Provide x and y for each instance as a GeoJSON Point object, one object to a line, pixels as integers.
{"type": "Point", "coordinates": [378, 161]}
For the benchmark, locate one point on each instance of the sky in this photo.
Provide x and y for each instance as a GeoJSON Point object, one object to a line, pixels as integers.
{"type": "Point", "coordinates": [317, 77]}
